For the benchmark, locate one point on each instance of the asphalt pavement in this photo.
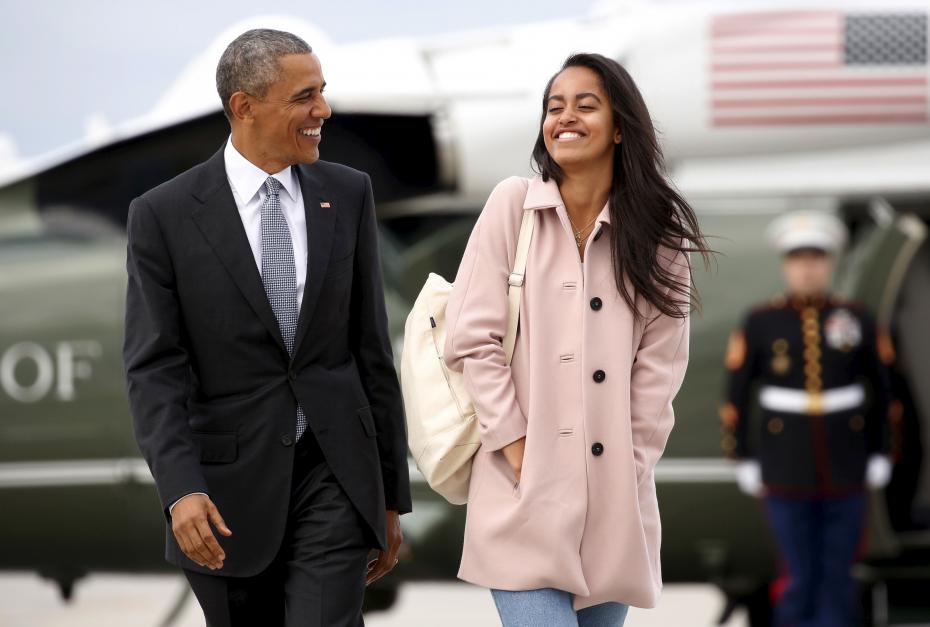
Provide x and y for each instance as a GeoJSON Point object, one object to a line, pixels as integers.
{"type": "Point", "coordinates": [142, 601]}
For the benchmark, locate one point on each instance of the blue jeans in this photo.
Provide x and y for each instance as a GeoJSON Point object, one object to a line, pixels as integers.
{"type": "Point", "coordinates": [817, 539]}
{"type": "Point", "coordinates": [548, 607]}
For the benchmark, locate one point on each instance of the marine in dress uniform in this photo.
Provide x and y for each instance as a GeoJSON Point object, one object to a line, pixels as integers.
{"type": "Point", "coordinates": [816, 366]}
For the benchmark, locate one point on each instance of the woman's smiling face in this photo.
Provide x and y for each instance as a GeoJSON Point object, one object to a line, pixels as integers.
{"type": "Point", "coordinates": [579, 126]}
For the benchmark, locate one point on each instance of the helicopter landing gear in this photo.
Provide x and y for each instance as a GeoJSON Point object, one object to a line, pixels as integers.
{"type": "Point", "coordinates": [65, 580]}
{"type": "Point", "coordinates": [755, 599]}
{"type": "Point", "coordinates": [178, 606]}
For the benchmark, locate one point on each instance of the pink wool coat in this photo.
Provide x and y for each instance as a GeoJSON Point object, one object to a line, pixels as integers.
{"type": "Point", "coordinates": [590, 389]}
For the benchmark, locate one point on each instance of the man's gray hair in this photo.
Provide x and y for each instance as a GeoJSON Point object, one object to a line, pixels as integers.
{"type": "Point", "coordinates": [250, 62]}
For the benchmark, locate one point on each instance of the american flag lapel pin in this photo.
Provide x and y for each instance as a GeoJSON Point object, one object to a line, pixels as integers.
{"type": "Point", "coordinates": [324, 205]}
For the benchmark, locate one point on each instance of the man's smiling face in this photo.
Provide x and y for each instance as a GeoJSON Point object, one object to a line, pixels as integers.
{"type": "Point", "coordinates": [287, 122]}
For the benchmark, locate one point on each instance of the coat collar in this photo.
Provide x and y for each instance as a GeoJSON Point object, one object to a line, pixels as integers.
{"type": "Point", "coordinates": [799, 302]}
{"type": "Point", "coordinates": [218, 218]}
{"type": "Point", "coordinates": [545, 195]}
{"type": "Point", "coordinates": [321, 208]}
{"type": "Point", "coordinates": [247, 178]}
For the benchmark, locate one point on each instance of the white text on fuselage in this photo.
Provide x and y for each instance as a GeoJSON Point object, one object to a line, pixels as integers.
{"type": "Point", "coordinates": [30, 372]}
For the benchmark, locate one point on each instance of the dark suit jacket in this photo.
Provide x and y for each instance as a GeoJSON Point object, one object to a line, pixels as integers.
{"type": "Point", "coordinates": [808, 454]}
{"type": "Point", "coordinates": [212, 390]}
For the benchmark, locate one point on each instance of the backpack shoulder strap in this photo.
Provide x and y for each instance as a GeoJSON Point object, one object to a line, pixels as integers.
{"type": "Point", "coordinates": [515, 292]}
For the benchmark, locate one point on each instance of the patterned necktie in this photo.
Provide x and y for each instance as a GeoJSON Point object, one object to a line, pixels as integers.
{"type": "Point", "coordinates": [279, 273]}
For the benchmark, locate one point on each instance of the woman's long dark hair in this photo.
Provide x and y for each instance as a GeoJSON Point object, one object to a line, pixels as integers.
{"type": "Point", "coordinates": [645, 211]}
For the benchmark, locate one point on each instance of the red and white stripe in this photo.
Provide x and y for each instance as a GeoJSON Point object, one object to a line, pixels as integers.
{"type": "Point", "coordinates": [786, 68]}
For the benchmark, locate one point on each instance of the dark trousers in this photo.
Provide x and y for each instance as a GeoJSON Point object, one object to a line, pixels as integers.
{"type": "Point", "coordinates": [818, 541]}
{"type": "Point", "coordinates": [318, 577]}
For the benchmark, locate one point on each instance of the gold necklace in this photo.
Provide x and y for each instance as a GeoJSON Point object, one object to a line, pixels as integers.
{"type": "Point", "coordinates": [578, 232]}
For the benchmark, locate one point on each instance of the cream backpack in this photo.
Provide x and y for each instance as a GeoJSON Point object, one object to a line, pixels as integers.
{"type": "Point", "coordinates": [442, 429]}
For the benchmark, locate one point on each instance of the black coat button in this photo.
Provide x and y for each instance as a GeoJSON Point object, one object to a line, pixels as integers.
{"type": "Point", "coordinates": [597, 448]}
{"type": "Point", "coordinates": [599, 376]}
{"type": "Point", "coordinates": [596, 303]}
{"type": "Point", "coordinates": [291, 375]}
{"type": "Point", "coordinates": [287, 440]}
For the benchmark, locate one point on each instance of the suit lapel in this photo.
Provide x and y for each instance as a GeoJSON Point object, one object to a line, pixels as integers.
{"type": "Point", "coordinates": [218, 219]}
{"type": "Point", "coordinates": [320, 210]}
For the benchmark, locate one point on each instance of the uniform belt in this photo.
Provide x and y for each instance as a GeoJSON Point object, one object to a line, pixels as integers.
{"type": "Point", "coordinates": [776, 398]}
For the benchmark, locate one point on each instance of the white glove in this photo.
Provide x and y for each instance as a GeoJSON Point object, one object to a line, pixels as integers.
{"type": "Point", "coordinates": [749, 478]}
{"type": "Point", "coordinates": [878, 472]}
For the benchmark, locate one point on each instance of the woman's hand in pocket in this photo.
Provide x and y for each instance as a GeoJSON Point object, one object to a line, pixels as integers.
{"type": "Point", "coordinates": [513, 453]}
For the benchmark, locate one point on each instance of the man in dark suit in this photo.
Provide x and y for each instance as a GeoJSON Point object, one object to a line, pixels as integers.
{"type": "Point", "coordinates": [260, 374]}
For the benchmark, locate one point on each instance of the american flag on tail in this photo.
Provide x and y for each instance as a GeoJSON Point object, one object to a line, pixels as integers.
{"type": "Point", "coordinates": [791, 68]}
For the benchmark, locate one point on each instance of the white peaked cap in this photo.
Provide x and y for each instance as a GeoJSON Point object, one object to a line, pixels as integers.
{"type": "Point", "coordinates": [807, 229]}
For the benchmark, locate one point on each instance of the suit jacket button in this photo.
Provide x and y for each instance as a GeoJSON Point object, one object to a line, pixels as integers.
{"type": "Point", "coordinates": [597, 448]}
{"type": "Point", "coordinates": [287, 440]}
{"type": "Point", "coordinates": [291, 375]}
{"type": "Point", "coordinates": [599, 376]}
{"type": "Point", "coordinates": [596, 303]}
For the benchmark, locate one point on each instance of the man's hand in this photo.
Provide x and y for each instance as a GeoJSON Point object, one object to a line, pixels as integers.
{"type": "Point", "coordinates": [749, 478]}
{"type": "Point", "coordinates": [513, 453]}
{"type": "Point", "coordinates": [878, 472]}
{"type": "Point", "coordinates": [387, 560]}
{"type": "Point", "coordinates": [190, 522]}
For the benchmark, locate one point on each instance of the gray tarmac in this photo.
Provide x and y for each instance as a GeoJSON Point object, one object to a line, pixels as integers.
{"type": "Point", "coordinates": [131, 601]}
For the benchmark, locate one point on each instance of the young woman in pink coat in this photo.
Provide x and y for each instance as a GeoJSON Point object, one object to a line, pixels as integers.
{"type": "Point", "coordinates": [562, 522]}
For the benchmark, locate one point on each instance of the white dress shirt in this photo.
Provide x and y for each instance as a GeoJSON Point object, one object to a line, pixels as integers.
{"type": "Point", "coordinates": [247, 181]}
